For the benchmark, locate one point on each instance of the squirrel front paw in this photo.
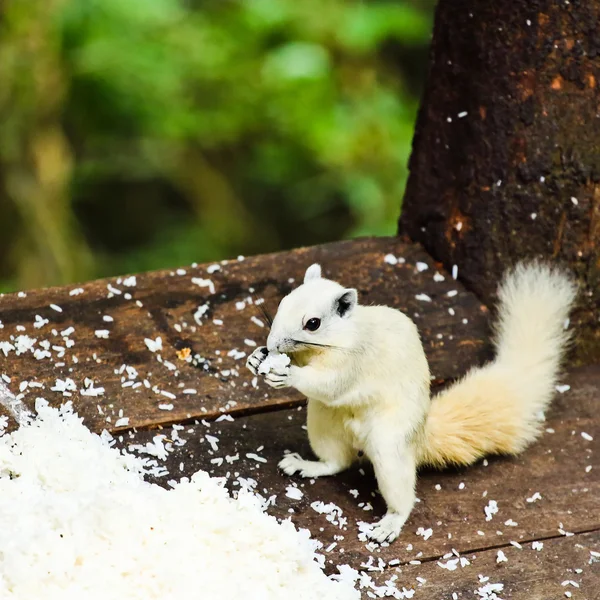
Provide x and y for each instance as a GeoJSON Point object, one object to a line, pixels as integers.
{"type": "Point", "coordinates": [256, 358]}
{"type": "Point", "coordinates": [279, 377]}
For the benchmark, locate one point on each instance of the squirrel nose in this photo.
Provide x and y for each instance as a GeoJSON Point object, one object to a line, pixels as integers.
{"type": "Point", "coordinates": [272, 343]}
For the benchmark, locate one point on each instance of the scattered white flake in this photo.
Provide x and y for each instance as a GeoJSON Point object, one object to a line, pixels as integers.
{"type": "Point", "coordinates": [122, 422]}
{"type": "Point", "coordinates": [452, 293]}
{"type": "Point", "coordinates": [65, 386]}
{"type": "Point", "coordinates": [425, 533]}
{"type": "Point", "coordinates": [488, 591]}
{"type": "Point", "coordinates": [107, 319]}
{"type": "Point", "coordinates": [190, 391]}
{"type": "Point", "coordinates": [438, 277]}
{"type": "Point", "coordinates": [113, 290]}
{"type": "Point", "coordinates": [212, 268]}
{"type": "Point", "coordinates": [533, 216]}
{"type": "Point", "coordinates": [40, 322]}
{"type": "Point", "coordinates": [501, 557]}
{"type": "Point", "coordinates": [256, 457]}
{"type": "Point", "coordinates": [423, 297]}
{"type": "Point", "coordinates": [390, 259]}
{"type": "Point", "coordinates": [204, 283]}
{"type": "Point", "coordinates": [88, 388]}
{"type": "Point", "coordinates": [154, 345]}
{"type": "Point", "coordinates": [236, 354]}
{"type": "Point", "coordinates": [200, 312]}
{"type": "Point", "coordinates": [251, 343]}
{"type": "Point", "coordinates": [421, 266]}
{"type": "Point", "coordinates": [240, 305]}
{"type": "Point", "coordinates": [461, 486]}
{"type": "Point", "coordinates": [537, 545]}
{"type": "Point", "coordinates": [102, 333]}
{"type": "Point", "coordinates": [76, 292]}
{"type": "Point", "coordinates": [68, 331]}
{"type": "Point", "coordinates": [168, 394]}
{"type": "Point", "coordinates": [212, 440]}
{"type": "Point", "coordinates": [516, 544]}
{"type": "Point", "coordinates": [257, 321]}
{"type": "Point", "coordinates": [536, 496]}
{"type": "Point", "coordinates": [451, 565]}
{"type": "Point", "coordinates": [561, 389]}
{"type": "Point", "coordinates": [56, 308]}
{"type": "Point", "coordinates": [462, 114]}
{"type": "Point", "coordinates": [570, 582]}
{"type": "Point", "coordinates": [130, 281]}
{"type": "Point", "coordinates": [293, 492]}
{"type": "Point", "coordinates": [574, 201]}
{"type": "Point", "coordinates": [165, 406]}
{"type": "Point", "coordinates": [490, 510]}
{"type": "Point", "coordinates": [586, 436]}
{"type": "Point", "coordinates": [218, 321]}
{"type": "Point", "coordinates": [454, 271]}
{"type": "Point", "coordinates": [588, 468]}
{"type": "Point", "coordinates": [511, 523]}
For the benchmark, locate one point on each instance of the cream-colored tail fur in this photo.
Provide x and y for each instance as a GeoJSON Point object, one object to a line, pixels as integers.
{"type": "Point", "coordinates": [498, 409]}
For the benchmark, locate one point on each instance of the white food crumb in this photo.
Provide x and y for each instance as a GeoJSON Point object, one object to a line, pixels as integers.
{"type": "Point", "coordinates": [490, 510]}
{"type": "Point", "coordinates": [274, 361]}
{"type": "Point", "coordinates": [154, 345]}
{"type": "Point", "coordinates": [586, 436]}
{"type": "Point", "coordinates": [501, 557]}
{"type": "Point", "coordinates": [72, 484]}
{"type": "Point", "coordinates": [204, 283]}
{"type": "Point", "coordinates": [56, 308]}
{"type": "Point", "coordinates": [537, 545]}
{"type": "Point", "coordinates": [421, 266]}
{"type": "Point", "coordinates": [293, 492]}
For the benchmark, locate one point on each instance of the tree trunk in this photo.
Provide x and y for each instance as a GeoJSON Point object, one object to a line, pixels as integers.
{"type": "Point", "coordinates": [506, 155]}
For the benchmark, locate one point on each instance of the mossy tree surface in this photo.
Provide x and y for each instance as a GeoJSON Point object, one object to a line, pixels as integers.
{"type": "Point", "coordinates": [506, 156]}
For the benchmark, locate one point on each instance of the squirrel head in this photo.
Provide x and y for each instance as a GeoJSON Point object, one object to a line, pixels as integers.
{"type": "Point", "coordinates": [316, 315]}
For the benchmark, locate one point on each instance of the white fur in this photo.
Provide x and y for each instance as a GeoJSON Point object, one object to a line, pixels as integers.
{"type": "Point", "coordinates": [367, 384]}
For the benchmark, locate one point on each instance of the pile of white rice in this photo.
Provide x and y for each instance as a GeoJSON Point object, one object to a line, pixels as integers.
{"type": "Point", "coordinates": [78, 521]}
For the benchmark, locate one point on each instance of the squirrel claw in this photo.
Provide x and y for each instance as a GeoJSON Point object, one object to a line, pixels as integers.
{"type": "Point", "coordinates": [256, 358]}
{"type": "Point", "coordinates": [388, 529]}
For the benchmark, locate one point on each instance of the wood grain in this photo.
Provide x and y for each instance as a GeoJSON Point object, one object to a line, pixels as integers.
{"type": "Point", "coordinates": [452, 502]}
{"type": "Point", "coordinates": [126, 312]}
{"type": "Point", "coordinates": [506, 153]}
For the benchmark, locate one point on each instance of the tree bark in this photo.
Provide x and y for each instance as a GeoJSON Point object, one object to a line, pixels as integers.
{"type": "Point", "coordinates": [506, 155]}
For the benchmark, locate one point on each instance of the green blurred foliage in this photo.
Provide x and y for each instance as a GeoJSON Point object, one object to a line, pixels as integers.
{"type": "Point", "coordinates": [145, 134]}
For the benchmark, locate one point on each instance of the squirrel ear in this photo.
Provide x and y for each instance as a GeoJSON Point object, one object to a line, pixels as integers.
{"type": "Point", "coordinates": [345, 303]}
{"type": "Point", "coordinates": [313, 272]}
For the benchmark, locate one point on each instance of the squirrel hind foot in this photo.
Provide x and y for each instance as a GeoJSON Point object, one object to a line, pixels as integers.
{"type": "Point", "coordinates": [388, 529]}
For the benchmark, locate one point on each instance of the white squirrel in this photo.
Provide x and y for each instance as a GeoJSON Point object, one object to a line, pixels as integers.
{"type": "Point", "coordinates": [364, 372]}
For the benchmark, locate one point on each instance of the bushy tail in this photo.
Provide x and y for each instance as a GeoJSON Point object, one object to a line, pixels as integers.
{"type": "Point", "coordinates": [498, 409]}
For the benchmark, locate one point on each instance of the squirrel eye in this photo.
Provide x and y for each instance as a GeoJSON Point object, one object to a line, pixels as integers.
{"type": "Point", "coordinates": [312, 324]}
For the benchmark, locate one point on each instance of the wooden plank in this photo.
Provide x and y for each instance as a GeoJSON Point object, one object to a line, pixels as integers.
{"type": "Point", "coordinates": [562, 566]}
{"type": "Point", "coordinates": [106, 324]}
{"type": "Point", "coordinates": [452, 503]}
